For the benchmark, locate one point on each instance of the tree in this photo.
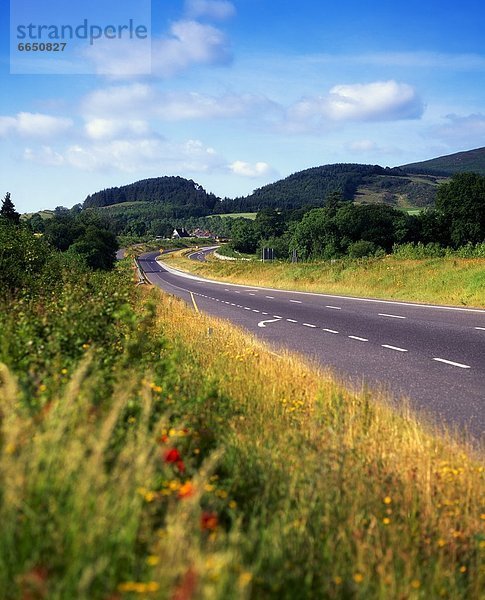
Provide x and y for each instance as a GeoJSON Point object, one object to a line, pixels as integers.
{"type": "Point", "coordinates": [8, 210]}
{"type": "Point", "coordinates": [244, 236]}
{"type": "Point", "coordinates": [461, 204]}
{"type": "Point", "coordinates": [97, 246]}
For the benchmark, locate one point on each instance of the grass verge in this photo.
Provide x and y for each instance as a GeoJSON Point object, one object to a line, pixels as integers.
{"type": "Point", "coordinates": [447, 280]}
{"type": "Point", "coordinates": [210, 468]}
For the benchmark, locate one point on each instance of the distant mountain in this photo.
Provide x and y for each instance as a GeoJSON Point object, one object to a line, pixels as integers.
{"type": "Point", "coordinates": [461, 162]}
{"type": "Point", "coordinates": [364, 184]}
{"type": "Point", "coordinates": [174, 193]}
{"type": "Point", "coordinates": [408, 186]}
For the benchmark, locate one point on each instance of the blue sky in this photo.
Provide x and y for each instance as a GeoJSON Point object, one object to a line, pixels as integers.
{"type": "Point", "coordinates": [244, 92]}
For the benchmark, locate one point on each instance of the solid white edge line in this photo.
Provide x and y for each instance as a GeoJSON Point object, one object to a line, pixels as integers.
{"type": "Point", "coordinates": [179, 273]}
{"type": "Point", "coordinates": [391, 316]}
{"type": "Point", "coordinates": [453, 364]}
{"type": "Point", "coordinates": [394, 348]}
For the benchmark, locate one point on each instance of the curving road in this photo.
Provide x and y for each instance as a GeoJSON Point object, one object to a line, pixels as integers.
{"type": "Point", "coordinates": [431, 354]}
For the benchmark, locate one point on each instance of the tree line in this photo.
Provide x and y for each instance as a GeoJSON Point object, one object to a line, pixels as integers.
{"type": "Point", "coordinates": [344, 229]}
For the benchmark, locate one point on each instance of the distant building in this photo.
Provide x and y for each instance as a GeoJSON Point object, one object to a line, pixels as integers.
{"type": "Point", "coordinates": [201, 233]}
{"type": "Point", "coordinates": [179, 233]}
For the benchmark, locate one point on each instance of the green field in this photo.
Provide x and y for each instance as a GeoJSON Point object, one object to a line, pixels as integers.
{"type": "Point", "coordinates": [250, 215]}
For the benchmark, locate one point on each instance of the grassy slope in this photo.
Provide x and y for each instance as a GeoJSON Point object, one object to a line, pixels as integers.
{"type": "Point", "coordinates": [454, 281]}
{"type": "Point", "coordinates": [291, 486]}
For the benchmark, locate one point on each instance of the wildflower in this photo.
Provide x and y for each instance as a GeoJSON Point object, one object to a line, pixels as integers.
{"type": "Point", "coordinates": [150, 496]}
{"type": "Point", "coordinates": [172, 455]}
{"type": "Point", "coordinates": [415, 584]}
{"type": "Point", "coordinates": [153, 560]}
{"type": "Point", "coordinates": [42, 387]}
{"type": "Point", "coordinates": [85, 346]}
{"type": "Point", "coordinates": [463, 569]}
{"type": "Point", "coordinates": [208, 521]}
{"type": "Point", "coordinates": [337, 580]}
{"type": "Point", "coordinates": [232, 504]}
{"type": "Point", "coordinates": [245, 579]}
{"type": "Point", "coordinates": [358, 577]}
{"type": "Point", "coordinates": [64, 371]}
{"type": "Point", "coordinates": [186, 490]}
{"type": "Point", "coordinates": [441, 543]}
{"type": "Point", "coordinates": [387, 500]}
{"type": "Point", "coordinates": [386, 520]}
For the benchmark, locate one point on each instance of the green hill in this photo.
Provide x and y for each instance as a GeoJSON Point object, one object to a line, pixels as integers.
{"type": "Point", "coordinates": [461, 162]}
{"type": "Point", "coordinates": [364, 184]}
{"type": "Point", "coordinates": [176, 194]}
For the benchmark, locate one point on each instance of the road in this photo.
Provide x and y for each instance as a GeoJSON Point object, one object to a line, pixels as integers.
{"type": "Point", "coordinates": [201, 253]}
{"type": "Point", "coordinates": [433, 355]}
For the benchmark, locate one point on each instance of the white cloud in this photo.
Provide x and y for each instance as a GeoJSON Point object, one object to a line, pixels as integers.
{"type": "Point", "coordinates": [127, 101]}
{"type": "Point", "coordinates": [213, 9]}
{"type": "Point", "coordinates": [190, 43]}
{"type": "Point", "coordinates": [132, 155]}
{"type": "Point", "coordinates": [139, 101]}
{"type": "Point", "coordinates": [105, 129]}
{"type": "Point", "coordinates": [245, 169]}
{"type": "Point", "coordinates": [469, 129]}
{"type": "Point", "coordinates": [34, 125]}
{"type": "Point", "coordinates": [363, 146]}
{"type": "Point", "coordinates": [120, 59]}
{"type": "Point", "coordinates": [46, 156]}
{"type": "Point", "coordinates": [378, 101]}
{"type": "Point", "coordinates": [414, 60]}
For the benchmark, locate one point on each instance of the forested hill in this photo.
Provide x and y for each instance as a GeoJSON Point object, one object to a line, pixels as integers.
{"type": "Point", "coordinates": [313, 186]}
{"type": "Point", "coordinates": [170, 191]}
{"type": "Point", "coordinates": [461, 162]}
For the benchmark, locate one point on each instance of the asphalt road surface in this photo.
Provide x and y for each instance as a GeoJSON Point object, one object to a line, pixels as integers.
{"type": "Point", "coordinates": [433, 355]}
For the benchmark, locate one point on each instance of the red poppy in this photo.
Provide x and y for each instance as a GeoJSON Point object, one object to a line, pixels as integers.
{"type": "Point", "coordinates": [172, 455]}
{"type": "Point", "coordinates": [181, 466]}
{"type": "Point", "coordinates": [208, 521]}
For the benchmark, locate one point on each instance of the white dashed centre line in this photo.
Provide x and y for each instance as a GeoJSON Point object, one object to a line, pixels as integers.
{"type": "Point", "coordinates": [252, 294]}
{"type": "Point", "coordinates": [291, 321]}
{"type": "Point", "coordinates": [309, 325]}
{"type": "Point", "coordinates": [334, 307]}
{"type": "Point", "coordinates": [330, 331]}
{"type": "Point", "coordinates": [254, 310]}
{"type": "Point", "coordinates": [392, 316]}
{"type": "Point", "coordinates": [453, 364]}
{"type": "Point", "coordinates": [277, 317]}
{"type": "Point", "coordinates": [296, 301]}
{"type": "Point", "coordinates": [480, 328]}
{"type": "Point", "coordinates": [394, 348]}
{"type": "Point", "coordinates": [359, 339]}
{"type": "Point", "coordinates": [270, 297]}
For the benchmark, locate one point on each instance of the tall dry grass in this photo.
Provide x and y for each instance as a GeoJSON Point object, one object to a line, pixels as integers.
{"type": "Point", "coordinates": [224, 472]}
{"type": "Point", "coordinates": [444, 280]}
